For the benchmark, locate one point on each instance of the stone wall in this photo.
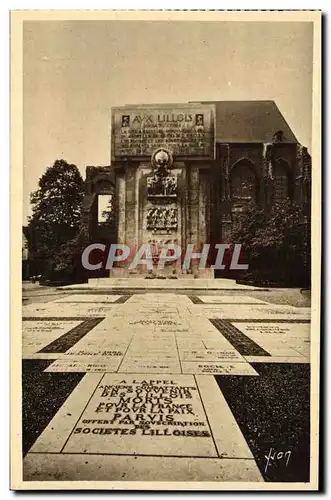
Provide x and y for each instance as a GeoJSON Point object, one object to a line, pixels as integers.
{"type": "Point", "coordinates": [99, 181]}
{"type": "Point", "coordinates": [264, 161]}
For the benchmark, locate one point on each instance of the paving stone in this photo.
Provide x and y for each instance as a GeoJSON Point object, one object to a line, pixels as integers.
{"type": "Point", "coordinates": [228, 438]}
{"type": "Point", "coordinates": [219, 368]}
{"type": "Point", "coordinates": [41, 355]}
{"type": "Point", "coordinates": [92, 353]}
{"type": "Point", "coordinates": [61, 310]}
{"type": "Point", "coordinates": [288, 329]}
{"type": "Point", "coordinates": [255, 311]}
{"type": "Point", "coordinates": [170, 470]}
{"type": "Point", "coordinates": [210, 355]}
{"type": "Point", "coordinates": [90, 298]}
{"type": "Point", "coordinates": [279, 359]}
{"type": "Point", "coordinates": [150, 365]}
{"type": "Point", "coordinates": [279, 339]}
{"type": "Point", "coordinates": [230, 299]}
{"type": "Point", "coordinates": [81, 365]}
{"type": "Point", "coordinates": [160, 416]}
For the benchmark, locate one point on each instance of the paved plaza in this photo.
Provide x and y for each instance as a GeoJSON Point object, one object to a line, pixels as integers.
{"type": "Point", "coordinates": [165, 387]}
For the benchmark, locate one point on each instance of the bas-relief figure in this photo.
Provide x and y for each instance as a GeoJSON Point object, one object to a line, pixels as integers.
{"type": "Point", "coordinates": [162, 218]}
{"type": "Point", "coordinates": [162, 186]}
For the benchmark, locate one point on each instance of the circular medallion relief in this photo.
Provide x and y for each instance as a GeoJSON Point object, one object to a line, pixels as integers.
{"type": "Point", "coordinates": [162, 158]}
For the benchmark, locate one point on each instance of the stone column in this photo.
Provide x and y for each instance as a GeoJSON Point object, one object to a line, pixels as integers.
{"type": "Point", "coordinates": [120, 206]}
{"type": "Point", "coordinates": [87, 205]}
{"type": "Point", "coordinates": [86, 217]}
{"type": "Point", "coordinates": [194, 205]}
{"type": "Point", "coordinates": [224, 218]}
{"type": "Point", "coordinates": [131, 208]}
{"type": "Point", "coordinates": [193, 211]}
{"type": "Point", "coordinates": [183, 203]}
{"type": "Point", "coordinates": [204, 197]}
{"type": "Point", "coordinates": [120, 215]}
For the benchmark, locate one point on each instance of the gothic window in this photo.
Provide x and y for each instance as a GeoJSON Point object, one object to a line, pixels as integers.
{"type": "Point", "coordinates": [243, 183]}
{"type": "Point", "coordinates": [281, 181]}
{"type": "Point", "coordinates": [105, 209]}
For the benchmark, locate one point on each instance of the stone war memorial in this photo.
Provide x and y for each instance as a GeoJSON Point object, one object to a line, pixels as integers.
{"type": "Point", "coordinates": [180, 174]}
{"type": "Point", "coordinates": [194, 379]}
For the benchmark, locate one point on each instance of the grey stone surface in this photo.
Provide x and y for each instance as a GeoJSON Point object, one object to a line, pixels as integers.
{"type": "Point", "coordinates": [230, 299]}
{"type": "Point", "coordinates": [218, 368]}
{"type": "Point", "coordinates": [143, 415]}
{"type": "Point", "coordinates": [88, 298]}
{"type": "Point", "coordinates": [149, 397]}
{"type": "Point", "coordinates": [50, 466]}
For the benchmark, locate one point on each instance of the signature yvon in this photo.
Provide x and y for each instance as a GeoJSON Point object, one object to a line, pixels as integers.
{"type": "Point", "coordinates": [275, 456]}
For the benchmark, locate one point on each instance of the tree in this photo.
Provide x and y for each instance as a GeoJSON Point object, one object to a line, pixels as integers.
{"type": "Point", "coordinates": [276, 244]}
{"type": "Point", "coordinates": [56, 210]}
{"type": "Point", "coordinates": [108, 213]}
{"type": "Point", "coordinates": [67, 263]}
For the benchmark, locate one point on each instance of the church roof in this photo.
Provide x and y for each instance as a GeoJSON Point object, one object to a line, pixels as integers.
{"type": "Point", "coordinates": [249, 121]}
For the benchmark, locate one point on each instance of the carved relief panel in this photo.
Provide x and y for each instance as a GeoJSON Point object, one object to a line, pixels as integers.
{"type": "Point", "coordinates": [162, 188]}
{"type": "Point", "coordinates": [162, 218]}
{"type": "Point", "coordinates": [161, 199]}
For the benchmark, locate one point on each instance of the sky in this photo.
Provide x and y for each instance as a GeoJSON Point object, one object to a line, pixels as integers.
{"type": "Point", "coordinates": [75, 71]}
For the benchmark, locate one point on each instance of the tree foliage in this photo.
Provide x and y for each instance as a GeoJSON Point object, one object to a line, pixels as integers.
{"type": "Point", "coordinates": [56, 210]}
{"type": "Point", "coordinates": [108, 213]}
{"type": "Point", "coordinates": [67, 263]}
{"type": "Point", "coordinates": [276, 244]}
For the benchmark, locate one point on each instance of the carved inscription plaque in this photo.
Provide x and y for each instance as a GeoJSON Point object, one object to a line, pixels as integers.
{"type": "Point", "coordinates": [161, 415]}
{"type": "Point", "coordinates": [184, 130]}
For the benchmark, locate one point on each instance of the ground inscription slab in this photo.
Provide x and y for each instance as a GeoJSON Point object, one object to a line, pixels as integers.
{"type": "Point", "coordinates": [132, 414]}
{"type": "Point", "coordinates": [89, 298]}
{"type": "Point", "coordinates": [281, 340]}
{"type": "Point", "coordinates": [230, 299]}
{"type": "Point", "coordinates": [38, 333]}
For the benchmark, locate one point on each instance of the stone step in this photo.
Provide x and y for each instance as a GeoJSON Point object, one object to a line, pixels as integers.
{"type": "Point", "coordinates": [140, 283]}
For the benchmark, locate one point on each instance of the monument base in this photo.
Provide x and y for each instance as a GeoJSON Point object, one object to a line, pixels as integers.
{"type": "Point", "coordinates": [139, 283]}
{"type": "Point", "coordinates": [167, 273]}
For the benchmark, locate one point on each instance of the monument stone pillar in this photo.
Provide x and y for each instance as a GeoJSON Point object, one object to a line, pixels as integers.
{"type": "Point", "coordinates": [158, 153]}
